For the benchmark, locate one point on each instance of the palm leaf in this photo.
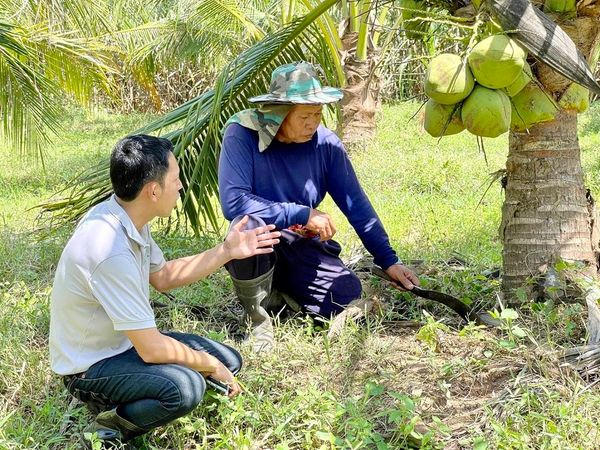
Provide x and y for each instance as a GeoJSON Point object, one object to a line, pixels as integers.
{"type": "Point", "coordinates": [79, 66]}
{"type": "Point", "coordinates": [201, 36]}
{"type": "Point", "coordinates": [27, 109]}
{"type": "Point", "coordinates": [197, 139]}
{"type": "Point", "coordinates": [43, 56]}
{"type": "Point", "coordinates": [227, 16]}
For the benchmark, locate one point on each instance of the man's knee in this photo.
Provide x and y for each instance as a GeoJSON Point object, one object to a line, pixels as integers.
{"type": "Point", "coordinates": [234, 361]}
{"type": "Point", "coordinates": [229, 356]}
{"type": "Point", "coordinates": [343, 290]}
{"type": "Point", "coordinates": [184, 392]}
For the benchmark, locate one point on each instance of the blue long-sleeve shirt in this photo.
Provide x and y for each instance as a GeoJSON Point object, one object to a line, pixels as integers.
{"type": "Point", "coordinates": [284, 182]}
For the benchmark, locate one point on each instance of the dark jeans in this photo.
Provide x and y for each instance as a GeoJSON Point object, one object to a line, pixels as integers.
{"type": "Point", "coordinates": [308, 270]}
{"type": "Point", "coordinates": [149, 395]}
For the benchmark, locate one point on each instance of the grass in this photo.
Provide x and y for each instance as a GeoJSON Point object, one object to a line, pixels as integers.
{"type": "Point", "coordinates": [386, 383]}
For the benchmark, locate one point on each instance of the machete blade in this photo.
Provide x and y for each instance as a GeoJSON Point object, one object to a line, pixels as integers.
{"type": "Point", "coordinates": [459, 307]}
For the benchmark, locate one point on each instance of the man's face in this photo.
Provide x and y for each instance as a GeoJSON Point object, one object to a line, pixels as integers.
{"type": "Point", "coordinates": [168, 193]}
{"type": "Point", "coordinates": [301, 122]}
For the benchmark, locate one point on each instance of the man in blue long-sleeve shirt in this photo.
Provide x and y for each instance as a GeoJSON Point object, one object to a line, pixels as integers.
{"type": "Point", "coordinates": [277, 164]}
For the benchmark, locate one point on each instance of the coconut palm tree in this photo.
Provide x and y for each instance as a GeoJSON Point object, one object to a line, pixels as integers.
{"type": "Point", "coordinates": [548, 214]}
{"type": "Point", "coordinates": [41, 59]}
{"type": "Point", "coordinates": [186, 38]}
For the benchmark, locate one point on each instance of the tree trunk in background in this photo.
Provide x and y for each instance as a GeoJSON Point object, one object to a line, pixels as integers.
{"type": "Point", "coordinates": [547, 215]}
{"type": "Point", "coordinates": [361, 95]}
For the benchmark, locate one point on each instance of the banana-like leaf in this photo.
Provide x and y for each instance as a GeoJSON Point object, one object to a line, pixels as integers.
{"type": "Point", "coordinates": [543, 38]}
{"type": "Point", "coordinates": [199, 121]}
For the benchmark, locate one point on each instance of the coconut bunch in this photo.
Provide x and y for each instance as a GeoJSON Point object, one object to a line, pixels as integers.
{"type": "Point", "coordinates": [490, 91]}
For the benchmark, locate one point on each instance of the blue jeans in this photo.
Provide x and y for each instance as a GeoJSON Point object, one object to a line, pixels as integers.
{"type": "Point", "coordinates": [149, 395]}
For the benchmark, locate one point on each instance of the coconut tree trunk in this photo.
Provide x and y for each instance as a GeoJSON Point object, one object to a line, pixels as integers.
{"type": "Point", "coordinates": [361, 95]}
{"type": "Point", "coordinates": [547, 213]}
{"type": "Point", "coordinates": [545, 216]}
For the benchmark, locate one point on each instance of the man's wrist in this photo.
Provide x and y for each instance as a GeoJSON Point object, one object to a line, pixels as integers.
{"type": "Point", "coordinates": [223, 252]}
{"type": "Point", "coordinates": [397, 263]}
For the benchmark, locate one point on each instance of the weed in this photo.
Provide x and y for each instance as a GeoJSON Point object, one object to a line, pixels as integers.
{"type": "Point", "coordinates": [380, 385]}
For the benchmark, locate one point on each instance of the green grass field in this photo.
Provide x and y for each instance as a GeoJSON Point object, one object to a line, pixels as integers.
{"type": "Point", "coordinates": [406, 378]}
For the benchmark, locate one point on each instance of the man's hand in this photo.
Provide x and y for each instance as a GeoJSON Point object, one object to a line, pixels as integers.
{"type": "Point", "coordinates": [320, 223]}
{"type": "Point", "coordinates": [224, 375]}
{"type": "Point", "coordinates": [157, 348]}
{"type": "Point", "coordinates": [240, 243]}
{"type": "Point", "coordinates": [404, 278]}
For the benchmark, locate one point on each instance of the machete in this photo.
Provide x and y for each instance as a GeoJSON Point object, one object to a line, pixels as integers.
{"type": "Point", "coordinates": [463, 310]}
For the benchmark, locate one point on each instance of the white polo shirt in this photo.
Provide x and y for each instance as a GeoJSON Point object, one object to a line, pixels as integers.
{"type": "Point", "coordinates": [101, 288]}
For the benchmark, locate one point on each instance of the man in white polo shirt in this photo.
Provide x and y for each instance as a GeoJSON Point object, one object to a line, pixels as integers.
{"type": "Point", "coordinates": [103, 335]}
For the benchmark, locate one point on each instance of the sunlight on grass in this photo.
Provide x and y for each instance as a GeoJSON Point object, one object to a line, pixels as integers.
{"type": "Point", "coordinates": [381, 384]}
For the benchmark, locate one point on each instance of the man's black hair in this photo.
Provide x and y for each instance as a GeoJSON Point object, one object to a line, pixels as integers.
{"type": "Point", "coordinates": [137, 160]}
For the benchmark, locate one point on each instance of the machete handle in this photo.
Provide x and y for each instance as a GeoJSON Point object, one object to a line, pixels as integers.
{"type": "Point", "coordinates": [379, 272]}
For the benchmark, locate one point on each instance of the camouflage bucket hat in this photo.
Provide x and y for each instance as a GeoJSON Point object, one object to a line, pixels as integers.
{"type": "Point", "coordinates": [297, 83]}
{"type": "Point", "coordinates": [266, 120]}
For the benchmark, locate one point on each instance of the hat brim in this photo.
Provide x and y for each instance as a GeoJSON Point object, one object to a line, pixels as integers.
{"type": "Point", "coordinates": [326, 95]}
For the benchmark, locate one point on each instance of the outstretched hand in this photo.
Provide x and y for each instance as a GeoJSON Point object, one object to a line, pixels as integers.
{"type": "Point", "coordinates": [241, 243]}
{"type": "Point", "coordinates": [403, 278]}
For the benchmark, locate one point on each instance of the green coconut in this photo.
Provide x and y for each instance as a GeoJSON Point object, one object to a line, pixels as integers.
{"type": "Point", "coordinates": [448, 79]}
{"type": "Point", "coordinates": [496, 61]}
{"type": "Point", "coordinates": [486, 112]}
{"type": "Point", "coordinates": [442, 120]}
{"type": "Point", "coordinates": [560, 6]}
{"type": "Point", "coordinates": [576, 98]}
{"type": "Point", "coordinates": [522, 80]}
{"type": "Point", "coordinates": [530, 106]}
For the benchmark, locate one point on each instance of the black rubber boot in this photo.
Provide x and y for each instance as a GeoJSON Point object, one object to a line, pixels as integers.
{"type": "Point", "coordinates": [253, 296]}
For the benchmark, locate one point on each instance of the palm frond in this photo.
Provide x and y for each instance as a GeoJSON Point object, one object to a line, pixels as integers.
{"type": "Point", "coordinates": [27, 107]}
{"type": "Point", "coordinates": [199, 35]}
{"type": "Point", "coordinates": [43, 56]}
{"type": "Point", "coordinates": [328, 30]}
{"type": "Point", "coordinates": [88, 18]}
{"type": "Point", "coordinates": [197, 139]}
{"type": "Point", "coordinates": [79, 66]}
{"type": "Point", "coordinates": [227, 16]}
